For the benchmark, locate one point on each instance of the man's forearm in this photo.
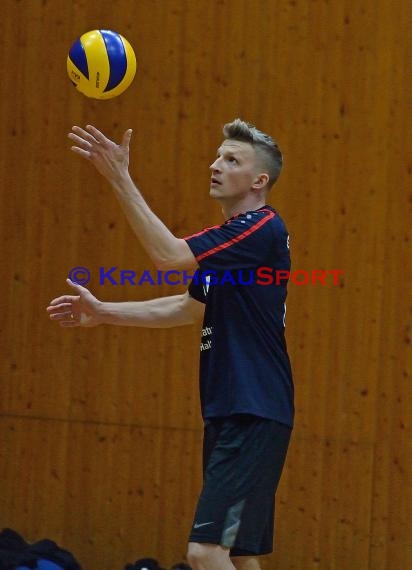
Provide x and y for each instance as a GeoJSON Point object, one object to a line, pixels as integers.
{"type": "Point", "coordinates": [164, 312]}
{"type": "Point", "coordinates": [112, 161]}
{"type": "Point", "coordinates": [165, 250]}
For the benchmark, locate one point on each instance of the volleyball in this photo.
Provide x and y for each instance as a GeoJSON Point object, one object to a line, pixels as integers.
{"type": "Point", "coordinates": [101, 64]}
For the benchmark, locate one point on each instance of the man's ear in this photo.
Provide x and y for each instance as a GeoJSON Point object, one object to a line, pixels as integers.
{"type": "Point", "coordinates": [260, 181]}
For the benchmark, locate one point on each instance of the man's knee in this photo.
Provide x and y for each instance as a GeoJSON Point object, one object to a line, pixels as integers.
{"type": "Point", "coordinates": [245, 563]}
{"type": "Point", "coordinates": [204, 555]}
{"type": "Point", "coordinates": [195, 553]}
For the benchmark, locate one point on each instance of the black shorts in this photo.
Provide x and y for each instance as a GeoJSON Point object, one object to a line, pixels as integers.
{"type": "Point", "coordinates": [243, 457]}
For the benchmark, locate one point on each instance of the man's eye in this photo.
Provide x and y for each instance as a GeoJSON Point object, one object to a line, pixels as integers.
{"type": "Point", "coordinates": [232, 159]}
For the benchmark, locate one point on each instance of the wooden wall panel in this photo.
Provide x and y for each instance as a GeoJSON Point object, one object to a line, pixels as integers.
{"type": "Point", "coordinates": [100, 427]}
{"type": "Point", "coordinates": [104, 491]}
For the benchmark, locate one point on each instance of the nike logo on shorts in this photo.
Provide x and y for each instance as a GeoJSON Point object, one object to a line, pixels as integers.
{"type": "Point", "coordinates": [197, 525]}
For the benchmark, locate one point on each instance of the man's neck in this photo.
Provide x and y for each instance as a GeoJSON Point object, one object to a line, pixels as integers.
{"type": "Point", "coordinates": [230, 210]}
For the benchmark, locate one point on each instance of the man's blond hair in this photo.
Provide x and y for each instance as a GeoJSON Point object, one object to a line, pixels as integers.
{"type": "Point", "coordinates": [267, 149]}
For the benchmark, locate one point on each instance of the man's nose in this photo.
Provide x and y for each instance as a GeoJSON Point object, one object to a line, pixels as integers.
{"type": "Point", "coordinates": [215, 165]}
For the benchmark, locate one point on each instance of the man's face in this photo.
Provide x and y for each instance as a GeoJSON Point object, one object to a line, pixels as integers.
{"type": "Point", "coordinates": [234, 171]}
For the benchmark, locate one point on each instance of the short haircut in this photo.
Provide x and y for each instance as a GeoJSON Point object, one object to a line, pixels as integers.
{"type": "Point", "coordinates": [265, 147]}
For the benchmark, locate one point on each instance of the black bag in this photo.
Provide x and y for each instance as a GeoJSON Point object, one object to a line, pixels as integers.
{"type": "Point", "coordinates": [12, 550]}
{"type": "Point", "coordinates": [144, 564]}
{"type": "Point", "coordinates": [45, 554]}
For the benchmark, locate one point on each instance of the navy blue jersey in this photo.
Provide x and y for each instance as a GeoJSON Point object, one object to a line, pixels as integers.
{"type": "Point", "coordinates": [244, 364]}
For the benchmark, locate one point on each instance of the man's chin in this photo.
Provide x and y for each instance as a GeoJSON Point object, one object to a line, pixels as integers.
{"type": "Point", "coordinates": [214, 192]}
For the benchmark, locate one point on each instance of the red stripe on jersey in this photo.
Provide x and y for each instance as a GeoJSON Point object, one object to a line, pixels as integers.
{"type": "Point", "coordinates": [201, 232]}
{"type": "Point", "coordinates": [238, 238]}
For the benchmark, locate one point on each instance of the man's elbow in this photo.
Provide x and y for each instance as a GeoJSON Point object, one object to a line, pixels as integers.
{"type": "Point", "coordinates": [175, 263]}
{"type": "Point", "coordinates": [161, 264]}
{"type": "Point", "coordinates": [179, 257]}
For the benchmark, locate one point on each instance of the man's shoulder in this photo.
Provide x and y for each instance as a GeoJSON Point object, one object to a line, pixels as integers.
{"type": "Point", "coordinates": [266, 218]}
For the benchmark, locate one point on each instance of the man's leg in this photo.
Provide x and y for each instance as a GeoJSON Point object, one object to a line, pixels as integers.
{"type": "Point", "coordinates": [209, 557]}
{"type": "Point", "coordinates": [245, 563]}
{"type": "Point", "coordinates": [244, 456]}
{"type": "Point", "coordinates": [215, 557]}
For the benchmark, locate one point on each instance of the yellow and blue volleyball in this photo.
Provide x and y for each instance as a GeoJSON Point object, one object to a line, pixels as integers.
{"type": "Point", "coordinates": [101, 64]}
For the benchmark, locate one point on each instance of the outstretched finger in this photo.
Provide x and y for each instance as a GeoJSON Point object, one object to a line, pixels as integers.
{"type": "Point", "coordinates": [83, 134]}
{"type": "Point", "coordinates": [77, 287]}
{"type": "Point", "coordinates": [61, 316]}
{"type": "Point", "coordinates": [80, 141]}
{"type": "Point", "coordinates": [61, 308]}
{"type": "Point", "coordinates": [99, 136]}
{"type": "Point", "coordinates": [126, 138]}
{"type": "Point", "coordinates": [81, 151]}
{"type": "Point", "coordinates": [64, 300]}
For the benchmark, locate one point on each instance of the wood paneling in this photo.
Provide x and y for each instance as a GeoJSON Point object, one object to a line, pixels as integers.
{"type": "Point", "coordinates": [100, 429]}
{"type": "Point", "coordinates": [106, 491]}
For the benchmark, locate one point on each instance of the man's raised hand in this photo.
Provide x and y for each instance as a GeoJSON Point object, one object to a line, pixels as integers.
{"type": "Point", "coordinates": [109, 158]}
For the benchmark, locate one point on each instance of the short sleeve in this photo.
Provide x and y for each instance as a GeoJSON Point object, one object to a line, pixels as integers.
{"type": "Point", "coordinates": [197, 290]}
{"type": "Point", "coordinates": [242, 242]}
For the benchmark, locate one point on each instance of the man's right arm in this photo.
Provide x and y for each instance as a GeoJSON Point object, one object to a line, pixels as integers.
{"type": "Point", "coordinates": [112, 161]}
{"type": "Point", "coordinates": [164, 312]}
{"type": "Point", "coordinates": [85, 310]}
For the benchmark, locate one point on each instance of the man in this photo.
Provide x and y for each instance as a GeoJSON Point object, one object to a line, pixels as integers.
{"type": "Point", "coordinates": [246, 384]}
